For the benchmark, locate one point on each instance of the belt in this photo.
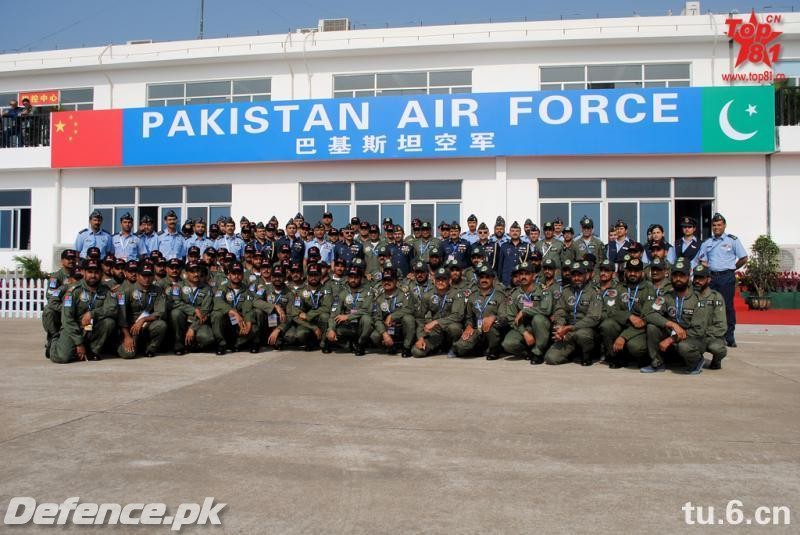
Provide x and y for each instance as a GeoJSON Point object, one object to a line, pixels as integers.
{"type": "Point", "coordinates": [724, 271]}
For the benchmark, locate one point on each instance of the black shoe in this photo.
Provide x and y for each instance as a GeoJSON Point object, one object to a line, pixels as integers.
{"type": "Point", "coordinates": [326, 349]}
{"type": "Point", "coordinates": [220, 351]}
{"type": "Point", "coordinates": [586, 361]}
{"type": "Point", "coordinates": [254, 348]}
{"type": "Point", "coordinates": [149, 354]}
{"type": "Point", "coordinates": [492, 356]}
{"type": "Point", "coordinates": [391, 350]}
{"type": "Point", "coordinates": [92, 356]}
{"type": "Point", "coordinates": [358, 350]}
{"type": "Point", "coordinates": [731, 343]}
{"type": "Point", "coordinates": [716, 364]}
{"type": "Point", "coordinates": [614, 365]}
{"type": "Point", "coordinates": [406, 353]}
{"type": "Point", "coordinates": [536, 360]}
{"type": "Point", "coordinates": [311, 346]}
{"type": "Point", "coordinates": [180, 352]}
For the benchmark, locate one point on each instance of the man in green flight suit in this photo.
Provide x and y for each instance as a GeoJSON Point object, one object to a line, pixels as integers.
{"type": "Point", "coordinates": [577, 313]}
{"type": "Point", "coordinates": [484, 318]}
{"type": "Point", "coordinates": [528, 315]}
{"type": "Point", "coordinates": [88, 318]}
{"type": "Point", "coordinates": [715, 334]}
{"type": "Point", "coordinates": [624, 329]}
{"type": "Point", "coordinates": [233, 319]}
{"type": "Point", "coordinates": [393, 316]}
{"type": "Point", "coordinates": [142, 308]}
{"type": "Point", "coordinates": [351, 314]}
{"type": "Point", "coordinates": [440, 317]}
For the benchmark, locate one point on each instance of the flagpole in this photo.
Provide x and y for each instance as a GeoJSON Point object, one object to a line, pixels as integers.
{"type": "Point", "coordinates": [202, 16]}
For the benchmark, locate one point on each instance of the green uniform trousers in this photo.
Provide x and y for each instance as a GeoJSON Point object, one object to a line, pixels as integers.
{"type": "Point", "coordinates": [179, 323]}
{"type": "Point", "coordinates": [404, 330]}
{"type": "Point", "coordinates": [479, 340]}
{"type": "Point", "coordinates": [63, 350]}
{"type": "Point", "coordinates": [150, 339]}
{"type": "Point", "coordinates": [690, 350]}
{"type": "Point", "coordinates": [356, 331]}
{"type": "Point", "coordinates": [561, 352]}
{"type": "Point", "coordinates": [226, 334]}
{"type": "Point", "coordinates": [514, 343]}
{"type": "Point", "coordinates": [439, 338]}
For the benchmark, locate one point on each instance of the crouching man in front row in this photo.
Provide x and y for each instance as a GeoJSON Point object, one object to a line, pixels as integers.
{"type": "Point", "coordinates": [88, 318]}
{"type": "Point", "coordinates": [142, 307]}
{"type": "Point", "coordinates": [393, 317]}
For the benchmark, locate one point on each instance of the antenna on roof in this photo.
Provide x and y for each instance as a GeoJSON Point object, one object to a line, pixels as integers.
{"type": "Point", "coordinates": [202, 16]}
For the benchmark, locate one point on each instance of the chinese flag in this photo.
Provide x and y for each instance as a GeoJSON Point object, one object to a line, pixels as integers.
{"type": "Point", "coordinates": [91, 138]}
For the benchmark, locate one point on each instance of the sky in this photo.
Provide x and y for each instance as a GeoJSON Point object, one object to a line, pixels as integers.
{"type": "Point", "coordinates": [52, 24]}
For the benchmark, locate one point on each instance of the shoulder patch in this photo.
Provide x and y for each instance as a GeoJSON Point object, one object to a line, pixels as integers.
{"type": "Point", "coordinates": [731, 236]}
{"type": "Point", "coordinates": [84, 230]}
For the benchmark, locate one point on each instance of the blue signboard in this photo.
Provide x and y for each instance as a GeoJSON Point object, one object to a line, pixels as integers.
{"type": "Point", "coordinates": [591, 122]}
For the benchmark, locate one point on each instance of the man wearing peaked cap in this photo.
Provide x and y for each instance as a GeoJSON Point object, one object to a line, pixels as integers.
{"type": "Point", "coordinates": [88, 318]}
{"type": "Point", "coordinates": [723, 254]}
{"type": "Point", "coordinates": [549, 246]}
{"type": "Point", "coordinates": [229, 240]}
{"type": "Point", "coordinates": [426, 242]}
{"type": "Point", "coordinates": [456, 248]}
{"type": "Point", "coordinates": [234, 321]}
{"type": "Point", "coordinates": [512, 252]}
{"type": "Point", "coordinates": [715, 332]}
{"type": "Point", "coordinates": [126, 245]}
{"type": "Point", "coordinates": [440, 317]}
{"type": "Point", "coordinates": [198, 237]}
{"type": "Point", "coordinates": [393, 316]}
{"type": "Point", "coordinates": [588, 243]}
{"type": "Point", "coordinates": [623, 330]}
{"type": "Point", "coordinates": [94, 236]}
{"type": "Point", "coordinates": [351, 314]}
{"type": "Point", "coordinates": [527, 316]}
{"type": "Point", "coordinates": [577, 313]}
{"type": "Point", "coordinates": [142, 313]}
{"type": "Point", "coordinates": [618, 248]}
{"type": "Point", "coordinates": [483, 331]}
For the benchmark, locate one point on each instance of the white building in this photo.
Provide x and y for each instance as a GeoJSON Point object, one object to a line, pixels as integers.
{"type": "Point", "coordinates": [41, 208]}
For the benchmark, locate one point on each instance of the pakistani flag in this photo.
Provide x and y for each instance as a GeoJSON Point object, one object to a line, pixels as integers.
{"type": "Point", "coordinates": [739, 119]}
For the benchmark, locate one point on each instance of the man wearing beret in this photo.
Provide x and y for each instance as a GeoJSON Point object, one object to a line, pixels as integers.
{"type": "Point", "coordinates": [142, 309]}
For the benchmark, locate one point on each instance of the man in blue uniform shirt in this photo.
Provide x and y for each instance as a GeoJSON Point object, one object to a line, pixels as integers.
{"type": "Point", "coordinates": [455, 248]}
{"type": "Point", "coordinates": [471, 234]}
{"type": "Point", "coordinates": [723, 254]}
{"type": "Point", "coordinates": [229, 240]}
{"type": "Point", "coordinates": [199, 238]}
{"type": "Point", "coordinates": [148, 239]}
{"type": "Point", "coordinates": [499, 235]}
{"type": "Point", "coordinates": [325, 247]}
{"type": "Point", "coordinates": [170, 241]}
{"type": "Point", "coordinates": [513, 252]}
{"type": "Point", "coordinates": [618, 248]}
{"type": "Point", "coordinates": [94, 236]}
{"type": "Point", "coordinates": [126, 245]}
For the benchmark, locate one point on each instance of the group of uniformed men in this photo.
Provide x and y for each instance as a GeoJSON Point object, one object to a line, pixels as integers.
{"type": "Point", "coordinates": [550, 298]}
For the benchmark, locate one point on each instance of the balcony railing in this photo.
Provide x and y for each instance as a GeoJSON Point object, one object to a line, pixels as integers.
{"type": "Point", "coordinates": [787, 106]}
{"type": "Point", "coordinates": [25, 131]}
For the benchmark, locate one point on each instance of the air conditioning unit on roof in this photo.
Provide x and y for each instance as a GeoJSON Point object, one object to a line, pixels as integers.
{"type": "Point", "coordinates": [790, 258]}
{"type": "Point", "coordinates": [692, 8]}
{"type": "Point", "coordinates": [334, 25]}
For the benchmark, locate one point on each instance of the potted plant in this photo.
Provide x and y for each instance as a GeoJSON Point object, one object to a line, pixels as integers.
{"type": "Point", "coordinates": [762, 270]}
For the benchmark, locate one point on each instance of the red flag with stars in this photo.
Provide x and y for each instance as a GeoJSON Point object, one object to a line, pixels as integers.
{"type": "Point", "coordinates": [91, 138]}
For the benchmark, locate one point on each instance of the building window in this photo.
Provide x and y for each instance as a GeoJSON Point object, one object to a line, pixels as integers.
{"type": "Point", "coordinates": [77, 99]}
{"type": "Point", "coordinates": [402, 201]}
{"type": "Point", "coordinates": [615, 76]}
{"type": "Point", "coordinates": [401, 83]}
{"type": "Point", "coordinates": [15, 219]}
{"type": "Point", "coordinates": [209, 92]}
{"type": "Point", "coordinates": [189, 202]}
{"type": "Point", "coordinates": [639, 202]}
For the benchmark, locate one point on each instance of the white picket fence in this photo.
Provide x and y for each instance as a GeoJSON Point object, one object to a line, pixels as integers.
{"type": "Point", "coordinates": [22, 298]}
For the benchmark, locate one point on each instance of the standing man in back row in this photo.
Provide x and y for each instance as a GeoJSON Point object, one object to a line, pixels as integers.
{"type": "Point", "coordinates": [723, 254]}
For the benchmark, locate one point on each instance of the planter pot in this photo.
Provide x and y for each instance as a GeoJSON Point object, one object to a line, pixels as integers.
{"type": "Point", "coordinates": [759, 303]}
{"type": "Point", "coordinates": [785, 300]}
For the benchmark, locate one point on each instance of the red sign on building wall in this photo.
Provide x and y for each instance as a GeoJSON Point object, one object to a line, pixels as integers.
{"type": "Point", "coordinates": [41, 98]}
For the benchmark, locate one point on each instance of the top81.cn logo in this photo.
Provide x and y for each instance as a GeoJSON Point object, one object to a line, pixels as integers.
{"type": "Point", "coordinates": [755, 37]}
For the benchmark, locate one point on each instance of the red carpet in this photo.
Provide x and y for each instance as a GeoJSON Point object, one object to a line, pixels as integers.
{"type": "Point", "coordinates": [744, 316]}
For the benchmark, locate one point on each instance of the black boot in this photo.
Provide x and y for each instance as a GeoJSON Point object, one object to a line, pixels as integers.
{"type": "Point", "coordinates": [254, 348]}
{"type": "Point", "coordinates": [586, 360]}
{"type": "Point", "coordinates": [406, 353]}
{"type": "Point", "coordinates": [716, 364]}
{"type": "Point", "coordinates": [220, 350]}
{"type": "Point", "coordinates": [358, 350]}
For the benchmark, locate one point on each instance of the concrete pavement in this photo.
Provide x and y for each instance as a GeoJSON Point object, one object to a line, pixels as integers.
{"type": "Point", "coordinates": [299, 442]}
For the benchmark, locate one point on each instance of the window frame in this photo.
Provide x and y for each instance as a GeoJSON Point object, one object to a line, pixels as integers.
{"type": "Point", "coordinates": [16, 217]}
{"type": "Point", "coordinates": [643, 81]}
{"type": "Point", "coordinates": [428, 89]}
{"type": "Point", "coordinates": [230, 96]}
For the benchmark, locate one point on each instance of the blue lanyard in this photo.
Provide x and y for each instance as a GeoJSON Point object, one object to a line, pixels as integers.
{"type": "Point", "coordinates": [149, 300]}
{"type": "Point", "coordinates": [577, 302]}
{"type": "Point", "coordinates": [481, 310]}
{"type": "Point", "coordinates": [91, 303]}
{"type": "Point", "coordinates": [355, 299]}
{"type": "Point", "coordinates": [442, 304]}
{"type": "Point", "coordinates": [277, 298]}
{"type": "Point", "coordinates": [394, 304]}
{"type": "Point", "coordinates": [194, 296]}
{"type": "Point", "coordinates": [237, 297]}
{"type": "Point", "coordinates": [679, 307]}
{"type": "Point", "coordinates": [315, 299]}
{"type": "Point", "coordinates": [632, 301]}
